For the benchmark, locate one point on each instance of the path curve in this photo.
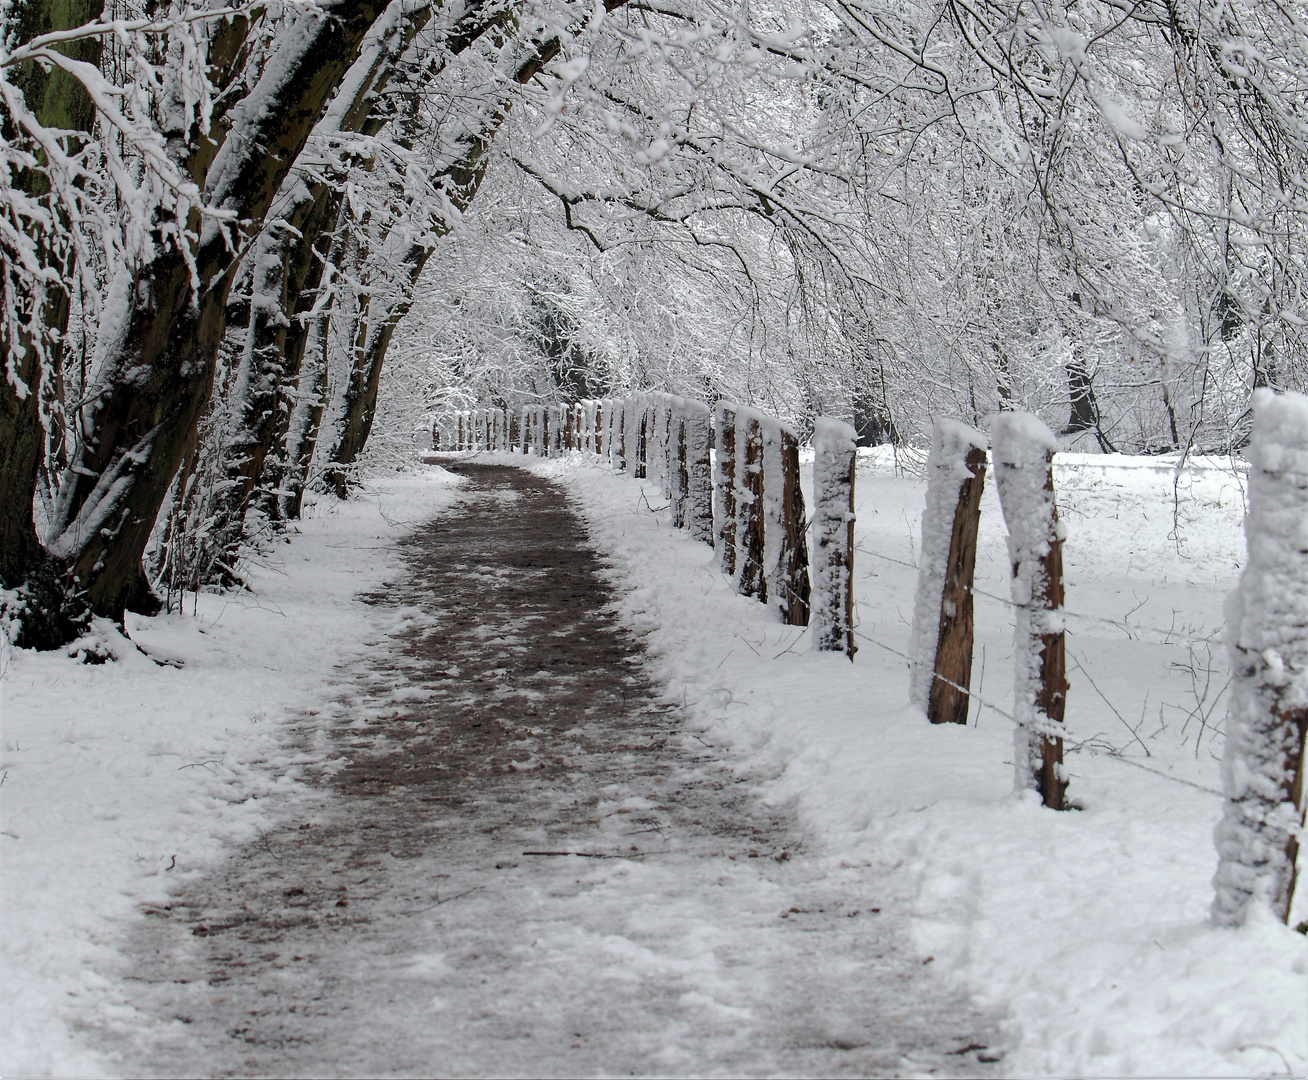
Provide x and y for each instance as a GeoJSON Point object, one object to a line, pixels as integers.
{"type": "Point", "coordinates": [522, 866]}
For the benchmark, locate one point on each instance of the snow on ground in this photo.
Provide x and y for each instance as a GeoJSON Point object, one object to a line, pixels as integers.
{"type": "Point", "coordinates": [121, 778]}
{"type": "Point", "coordinates": [1090, 928]}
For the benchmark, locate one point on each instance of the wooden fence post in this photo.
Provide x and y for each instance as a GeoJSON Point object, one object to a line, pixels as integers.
{"type": "Point", "coordinates": [940, 672]}
{"type": "Point", "coordinates": [680, 480]}
{"type": "Point", "coordinates": [627, 447]}
{"type": "Point", "coordinates": [1259, 837]}
{"type": "Point", "coordinates": [835, 447]}
{"type": "Point", "coordinates": [785, 545]}
{"type": "Point", "coordinates": [667, 449]}
{"type": "Point", "coordinates": [617, 440]}
{"type": "Point", "coordinates": [641, 471]}
{"type": "Point", "coordinates": [751, 572]}
{"type": "Point", "coordinates": [724, 486]}
{"type": "Point", "coordinates": [699, 471]}
{"type": "Point", "coordinates": [1023, 450]}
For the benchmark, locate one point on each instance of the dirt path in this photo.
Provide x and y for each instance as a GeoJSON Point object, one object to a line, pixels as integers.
{"type": "Point", "coordinates": [427, 918]}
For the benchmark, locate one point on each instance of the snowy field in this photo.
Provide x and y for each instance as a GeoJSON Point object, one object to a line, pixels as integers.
{"type": "Point", "coordinates": [1087, 930]}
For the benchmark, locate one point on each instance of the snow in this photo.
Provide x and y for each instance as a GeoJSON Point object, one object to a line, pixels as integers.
{"type": "Point", "coordinates": [122, 778]}
{"type": "Point", "coordinates": [946, 473]}
{"type": "Point", "coordinates": [1267, 615]}
{"type": "Point", "coordinates": [1089, 930]}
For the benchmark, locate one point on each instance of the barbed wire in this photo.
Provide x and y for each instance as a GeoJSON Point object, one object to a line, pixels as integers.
{"type": "Point", "coordinates": [1171, 632]}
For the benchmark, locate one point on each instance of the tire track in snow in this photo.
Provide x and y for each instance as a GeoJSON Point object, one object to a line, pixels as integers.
{"type": "Point", "coordinates": [674, 924]}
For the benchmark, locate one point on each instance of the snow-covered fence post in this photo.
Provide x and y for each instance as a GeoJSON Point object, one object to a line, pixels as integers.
{"type": "Point", "coordinates": [679, 478]}
{"type": "Point", "coordinates": [751, 572]}
{"type": "Point", "coordinates": [1267, 634]}
{"type": "Point", "coordinates": [600, 413]}
{"type": "Point", "coordinates": [502, 436]}
{"type": "Point", "coordinates": [557, 414]}
{"type": "Point", "coordinates": [835, 452]}
{"type": "Point", "coordinates": [483, 428]}
{"type": "Point", "coordinates": [785, 554]}
{"type": "Point", "coordinates": [941, 642]}
{"type": "Point", "coordinates": [667, 447]}
{"type": "Point", "coordinates": [641, 469]}
{"type": "Point", "coordinates": [618, 439]}
{"type": "Point", "coordinates": [569, 423]}
{"type": "Point", "coordinates": [458, 442]}
{"type": "Point", "coordinates": [653, 445]}
{"type": "Point", "coordinates": [1023, 451]}
{"type": "Point", "coordinates": [699, 471]}
{"type": "Point", "coordinates": [724, 486]}
{"type": "Point", "coordinates": [624, 446]}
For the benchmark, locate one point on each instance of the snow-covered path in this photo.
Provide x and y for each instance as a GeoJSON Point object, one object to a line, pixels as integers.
{"type": "Point", "coordinates": [521, 865]}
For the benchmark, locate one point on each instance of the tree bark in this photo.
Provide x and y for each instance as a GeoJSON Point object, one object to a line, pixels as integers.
{"type": "Point", "coordinates": [158, 379]}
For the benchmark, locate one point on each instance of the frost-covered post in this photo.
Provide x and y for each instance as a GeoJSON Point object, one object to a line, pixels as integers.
{"type": "Point", "coordinates": [724, 485]}
{"type": "Point", "coordinates": [618, 440]}
{"type": "Point", "coordinates": [785, 547]}
{"type": "Point", "coordinates": [653, 448]}
{"type": "Point", "coordinates": [1267, 634]}
{"type": "Point", "coordinates": [679, 477]}
{"type": "Point", "coordinates": [1023, 451]}
{"type": "Point", "coordinates": [598, 444]}
{"type": "Point", "coordinates": [699, 470]}
{"type": "Point", "coordinates": [483, 428]}
{"type": "Point", "coordinates": [751, 572]}
{"type": "Point", "coordinates": [835, 452]}
{"type": "Point", "coordinates": [667, 439]}
{"type": "Point", "coordinates": [941, 642]}
{"type": "Point", "coordinates": [642, 440]}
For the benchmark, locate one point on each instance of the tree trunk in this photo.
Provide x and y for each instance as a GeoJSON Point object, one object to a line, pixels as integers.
{"type": "Point", "coordinates": [32, 363]}
{"type": "Point", "coordinates": [157, 381]}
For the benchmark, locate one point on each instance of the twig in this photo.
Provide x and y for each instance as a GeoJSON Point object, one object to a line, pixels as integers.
{"type": "Point", "coordinates": [1108, 703]}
